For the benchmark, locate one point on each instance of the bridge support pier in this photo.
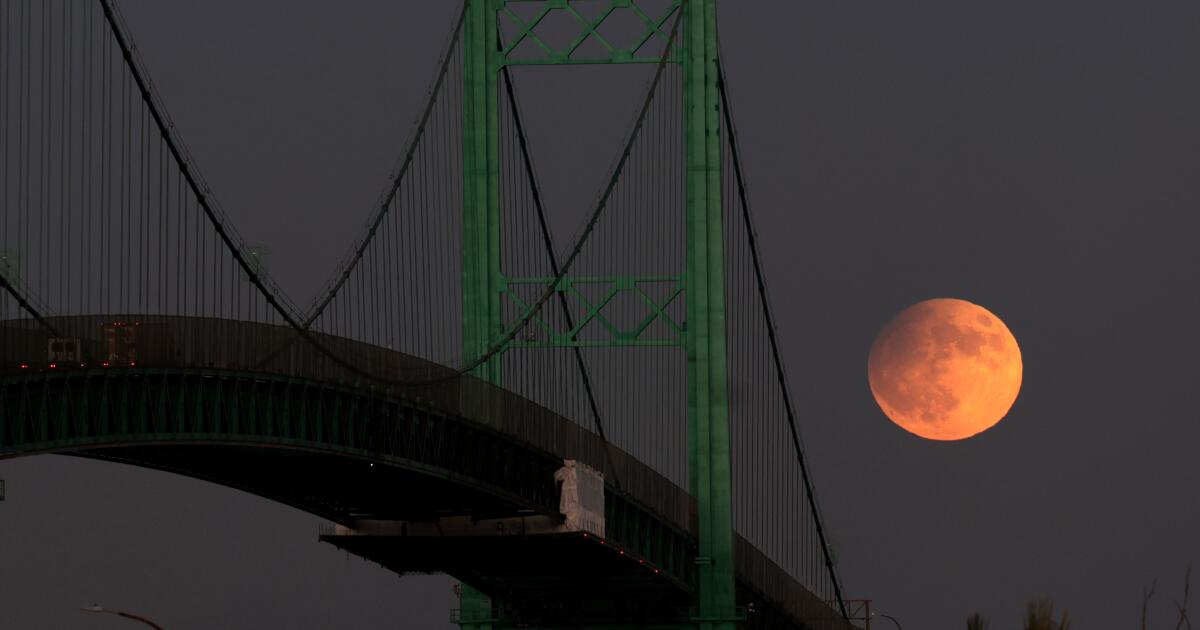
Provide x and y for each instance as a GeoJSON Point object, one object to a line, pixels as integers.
{"type": "Point", "coordinates": [475, 609]}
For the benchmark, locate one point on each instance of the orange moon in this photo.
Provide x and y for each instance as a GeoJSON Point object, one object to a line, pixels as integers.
{"type": "Point", "coordinates": [945, 369]}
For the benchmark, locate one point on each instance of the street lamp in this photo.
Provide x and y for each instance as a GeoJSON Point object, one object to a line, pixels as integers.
{"type": "Point", "coordinates": [893, 619]}
{"type": "Point", "coordinates": [96, 608]}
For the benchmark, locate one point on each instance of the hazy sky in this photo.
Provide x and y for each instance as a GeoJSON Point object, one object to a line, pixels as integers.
{"type": "Point", "coordinates": [1039, 158]}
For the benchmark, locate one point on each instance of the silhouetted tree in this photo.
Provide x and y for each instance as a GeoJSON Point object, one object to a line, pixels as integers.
{"type": "Point", "coordinates": [1180, 605]}
{"type": "Point", "coordinates": [1184, 622]}
{"type": "Point", "coordinates": [1146, 595]}
{"type": "Point", "coordinates": [1039, 615]}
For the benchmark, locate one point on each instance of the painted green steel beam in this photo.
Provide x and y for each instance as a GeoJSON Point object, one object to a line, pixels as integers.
{"type": "Point", "coordinates": [566, 342]}
{"type": "Point", "coordinates": [654, 26]}
{"type": "Point", "coordinates": [623, 281]}
{"type": "Point", "coordinates": [86, 410]}
{"type": "Point", "coordinates": [594, 329]}
{"type": "Point", "coordinates": [704, 332]}
{"type": "Point", "coordinates": [79, 410]}
{"type": "Point", "coordinates": [596, 61]}
{"type": "Point", "coordinates": [482, 280]}
{"type": "Point", "coordinates": [708, 389]}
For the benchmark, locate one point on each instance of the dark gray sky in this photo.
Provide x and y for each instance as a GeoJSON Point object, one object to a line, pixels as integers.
{"type": "Point", "coordinates": [1039, 158]}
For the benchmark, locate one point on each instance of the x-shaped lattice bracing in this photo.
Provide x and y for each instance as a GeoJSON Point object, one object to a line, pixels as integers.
{"type": "Point", "coordinates": [589, 28]}
{"type": "Point", "coordinates": [594, 312]}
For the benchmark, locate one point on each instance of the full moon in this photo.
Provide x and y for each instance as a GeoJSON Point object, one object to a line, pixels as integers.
{"type": "Point", "coordinates": [945, 369]}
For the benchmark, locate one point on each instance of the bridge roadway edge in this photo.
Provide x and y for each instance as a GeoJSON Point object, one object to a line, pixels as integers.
{"type": "Point", "coordinates": [156, 417]}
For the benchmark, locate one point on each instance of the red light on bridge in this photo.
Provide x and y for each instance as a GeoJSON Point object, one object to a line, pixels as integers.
{"type": "Point", "coordinates": [24, 366]}
{"type": "Point", "coordinates": [53, 365]}
{"type": "Point", "coordinates": [105, 364]}
{"type": "Point", "coordinates": [133, 364]}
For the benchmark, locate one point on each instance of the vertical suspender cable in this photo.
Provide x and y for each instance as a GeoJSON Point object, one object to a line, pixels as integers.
{"type": "Point", "coordinates": [775, 355]}
{"type": "Point", "coordinates": [554, 269]}
{"type": "Point", "coordinates": [177, 154]}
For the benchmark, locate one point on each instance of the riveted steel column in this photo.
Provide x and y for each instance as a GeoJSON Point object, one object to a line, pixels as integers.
{"type": "Point", "coordinates": [708, 389]}
{"type": "Point", "coordinates": [481, 281]}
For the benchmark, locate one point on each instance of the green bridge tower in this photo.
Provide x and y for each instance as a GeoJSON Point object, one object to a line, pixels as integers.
{"type": "Point", "coordinates": [484, 282]}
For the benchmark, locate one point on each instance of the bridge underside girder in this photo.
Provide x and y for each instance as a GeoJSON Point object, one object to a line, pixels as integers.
{"type": "Point", "coordinates": [563, 580]}
{"type": "Point", "coordinates": [539, 580]}
{"type": "Point", "coordinates": [352, 455]}
{"type": "Point", "coordinates": [334, 487]}
{"type": "Point", "coordinates": [335, 451]}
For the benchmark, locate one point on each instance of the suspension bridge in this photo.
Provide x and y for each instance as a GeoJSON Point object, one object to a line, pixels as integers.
{"type": "Point", "coordinates": [587, 430]}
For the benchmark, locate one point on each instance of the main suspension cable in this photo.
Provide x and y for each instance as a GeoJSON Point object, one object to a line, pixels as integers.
{"type": "Point", "coordinates": [27, 305]}
{"type": "Point", "coordinates": [771, 335]}
{"type": "Point", "coordinates": [386, 199]}
{"type": "Point", "coordinates": [535, 191]}
{"type": "Point", "coordinates": [552, 288]}
{"type": "Point", "coordinates": [177, 153]}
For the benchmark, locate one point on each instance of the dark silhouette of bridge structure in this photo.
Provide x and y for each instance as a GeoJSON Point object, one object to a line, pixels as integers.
{"type": "Point", "coordinates": [587, 430]}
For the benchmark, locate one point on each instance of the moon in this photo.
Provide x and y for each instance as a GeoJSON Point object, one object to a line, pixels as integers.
{"type": "Point", "coordinates": [945, 369]}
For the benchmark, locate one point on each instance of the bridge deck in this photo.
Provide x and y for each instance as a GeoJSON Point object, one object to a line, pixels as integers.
{"type": "Point", "coordinates": [241, 386]}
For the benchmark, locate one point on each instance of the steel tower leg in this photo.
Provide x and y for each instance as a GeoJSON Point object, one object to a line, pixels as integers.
{"type": "Point", "coordinates": [482, 281]}
{"type": "Point", "coordinates": [708, 389]}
